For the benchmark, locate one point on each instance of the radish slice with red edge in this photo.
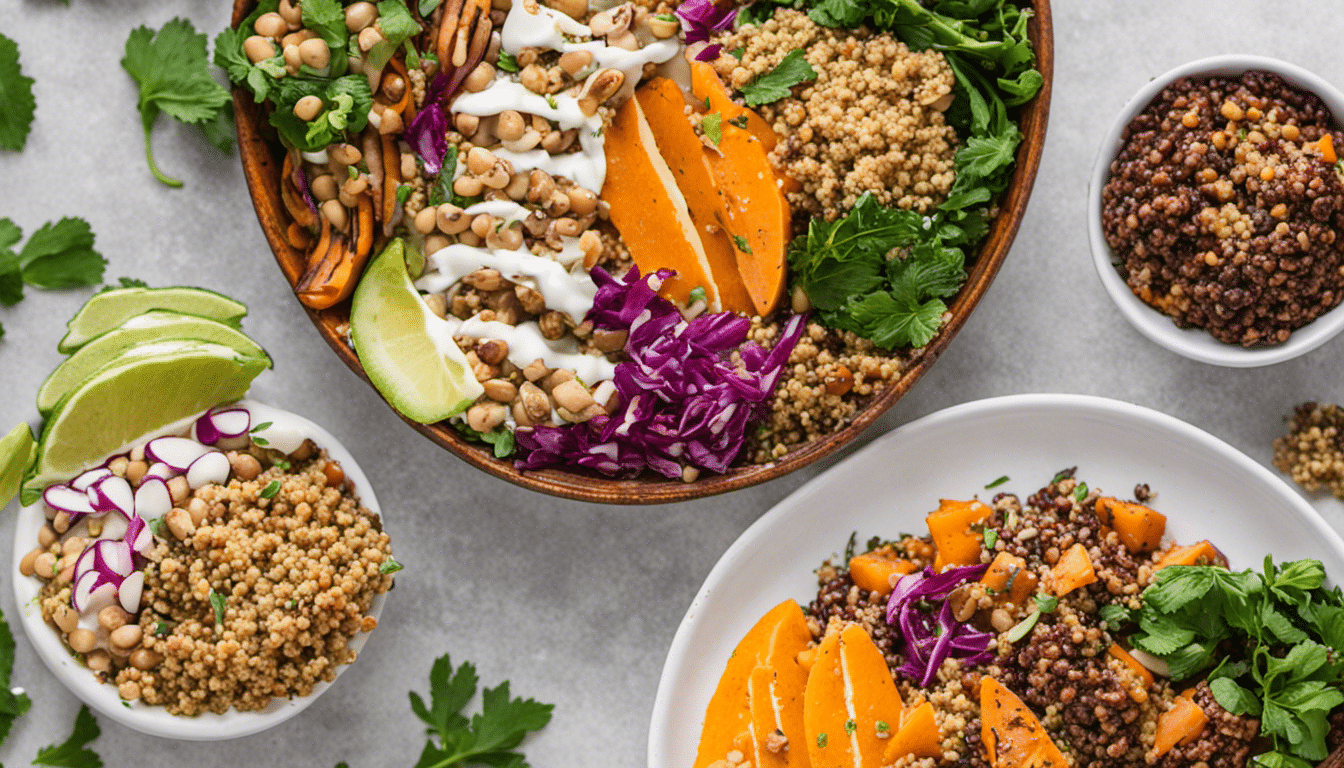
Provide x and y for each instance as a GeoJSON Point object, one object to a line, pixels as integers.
{"type": "Point", "coordinates": [153, 499]}
{"type": "Point", "coordinates": [112, 558]}
{"type": "Point", "coordinates": [213, 467]}
{"type": "Point", "coordinates": [130, 590]}
{"type": "Point", "coordinates": [63, 498]}
{"type": "Point", "coordinates": [86, 479]}
{"type": "Point", "coordinates": [138, 536]}
{"type": "Point", "coordinates": [215, 425]}
{"type": "Point", "coordinates": [161, 471]}
{"type": "Point", "coordinates": [111, 493]}
{"type": "Point", "coordinates": [176, 452]}
{"type": "Point", "coordinates": [84, 563]}
{"type": "Point", "coordinates": [84, 586]}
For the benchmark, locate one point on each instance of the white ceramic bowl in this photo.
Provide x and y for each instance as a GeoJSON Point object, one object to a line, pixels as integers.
{"type": "Point", "coordinates": [155, 720]}
{"type": "Point", "coordinates": [1195, 343]}
{"type": "Point", "coordinates": [1207, 489]}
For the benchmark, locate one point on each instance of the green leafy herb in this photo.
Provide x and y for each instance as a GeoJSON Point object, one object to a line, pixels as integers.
{"type": "Point", "coordinates": [271, 489]}
{"type": "Point", "coordinates": [1114, 615]}
{"type": "Point", "coordinates": [442, 190]}
{"type": "Point", "coordinates": [156, 526]}
{"type": "Point", "coordinates": [1046, 603]}
{"type": "Point", "coordinates": [740, 121]}
{"type": "Point", "coordinates": [775, 84]}
{"type": "Point", "coordinates": [489, 737]}
{"type": "Point", "coordinates": [12, 705]}
{"type": "Point", "coordinates": [390, 565]}
{"type": "Point", "coordinates": [263, 425]}
{"type": "Point", "coordinates": [850, 547]}
{"type": "Point", "coordinates": [1080, 492]}
{"type": "Point", "coordinates": [882, 727]}
{"type": "Point", "coordinates": [991, 538]}
{"type": "Point", "coordinates": [850, 726]}
{"type": "Point", "coordinates": [666, 17]}
{"type": "Point", "coordinates": [282, 464]}
{"type": "Point", "coordinates": [426, 7]}
{"type": "Point", "coordinates": [74, 751]}
{"type": "Point", "coordinates": [507, 62]}
{"type": "Point", "coordinates": [821, 741]}
{"type": "Point", "coordinates": [1002, 479]}
{"type": "Point", "coordinates": [1061, 474]}
{"type": "Point", "coordinates": [161, 629]}
{"type": "Point", "coordinates": [742, 245]}
{"type": "Point", "coordinates": [501, 438]}
{"type": "Point", "coordinates": [1023, 627]}
{"type": "Point", "coordinates": [1274, 640]}
{"type": "Point", "coordinates": [16, 98]}
{"type": "Point", "coordinates": [712, 126]}
{"type": "Point", "coordinates": [217, 602]}
{"type": "Point", "coordinates": [172, 69]}
{"type": "Point", "coordinates": [404, 193]}
{"type": "Point", "coordinates": [697, 294]}
{"type": "Point", "coordinates": [551, 102]}
{"type": "Point", "coordinates": [61, 255]}
{"type": "Point", "coordinates": [737, 53]}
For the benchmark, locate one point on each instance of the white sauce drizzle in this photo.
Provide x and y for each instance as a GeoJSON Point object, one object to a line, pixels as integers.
{"type": "Point", "coordinates": [527, 344]}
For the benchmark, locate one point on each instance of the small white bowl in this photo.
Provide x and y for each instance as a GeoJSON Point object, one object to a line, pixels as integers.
{"type": "Point", "coordinates": [1196, 343]}
{"type": "Point", "coordinates": [154, 720]}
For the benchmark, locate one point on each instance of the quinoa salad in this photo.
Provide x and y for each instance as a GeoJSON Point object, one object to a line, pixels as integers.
{"type": "Point", "coordinates": [1060, 629]}
{"type": "Point", "coordinates": [224, 564]}
{"type": "Point", "coordinates": [646, 237]}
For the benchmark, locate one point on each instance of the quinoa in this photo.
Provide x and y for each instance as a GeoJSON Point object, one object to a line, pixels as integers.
{"type": "Point", "coordinates": [871, 122]}
{"type": "Point", "coordinates": [1223, 211]}
{"type": "Point", "coordinates": [298, 573]}
{"type": "Point", "coordinates": [1313, 450]}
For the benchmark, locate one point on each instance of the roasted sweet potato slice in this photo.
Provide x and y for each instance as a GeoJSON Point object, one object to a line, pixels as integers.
{"type": "Point", "coordinates": [849, 692]}
{"type": "Point", "coordinates": [1012, 735]}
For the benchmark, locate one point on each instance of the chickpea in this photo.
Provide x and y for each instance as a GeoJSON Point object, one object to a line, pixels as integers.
{"type": "Point", "coordinates": [324, 187]}
{"type": "Point", "coordinates": [582, 201]}
{"type": "Point", "coordinates": [480, 78]}
{"type": "Point", "coordinates": [409, 168]}
{"type": "Point", "coordinates": [484, 417]}
{"type": "Point", "coordinates": [575, 9]}
{"type": "Point", "coordinates": [82, 640]}
{"type": "Point", "coordinates": [558, 204]}
{"type": "Point", "coordinates": [72, 546]}
{"type": "Point", "coordinates": [144, 659]}
{"type": "Point", "coordinates": [335, 213]}
{"type": "Point", "coordinates": [112, 618]}
{"type": "Point", "coordinates": [533, 78]}
{"type": "Point", "coordinates": [517, 187]}
{"type": "Point", "coordinates": [258, 48]}
{"type": "Point", "coordinates": [98, 661]}
{"type": "Point", "coordinates": [425, 221]}
{"type": "Point", "coordinates": [179, 489]}
{"type": "Point", "coordinates": [435, 243]}
{"type": "Point", "coordinates": [291, 13]}
{"type": "Point", "coordinates": [467, 125]}
{"type": "Point", "coordinates": [126, 636]}
{"type": "Point", "coordinates": [470, 238]}
{"type": "Point", "coordinates": [356, 186]}
{"type": "Point", "coordinates": [61, 522]}
{"type": "Point", "coordinates": [308, 107]}
{"type": "Point", "coordinates": [509, 238]}
{"type": "Point", "coordinates": [345, 154]}
{"type": "Point", "coordinates": [28, 565]}
{"type": "Point", "coordinates": [574, 62]}
{"type": "Point", "coordinates": [590, 243]}
{"type": "Point", "coordinates": [66, 618]}
{"type": "Point", "coordinates": [315, 53]}
{"type": "Point", "coordinates": [369, 37]}
{"type": "Point", "coordinates": [197, 508]}
{"type": "Point", "coordinates": [390, 122]}
{"type": "Point", "coordinates": [271, 25]}
{"type": "Point", "coordinates": [437, 304]}
{"type": "Point", "coordinates": [510, 126]}
{"type": "Point", "coordinates": [359, 15]}
{"type": "Point", "coordinates": [468, 186]}
{"type": "Point", "coordinates": [179, 523]}
{"type": "Point", "coordinates": [567, 227]}
{"type": "Point", "coordinates": [118, 466]}
{"type": "Point", "coordinates": [294, 38]}
{"type": "Point", "coordinates": [135, 471]}
{"type": "Point", "coordinates": [46, 537]}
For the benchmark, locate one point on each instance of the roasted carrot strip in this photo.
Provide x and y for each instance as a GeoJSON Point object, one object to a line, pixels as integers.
{"type": "Point", "coordinates": [363, 234]}
{"type": "Point", "coordinates": [447, 33]}
{"type": "Point", "coordinates": [297, 208]}
{"type": "Point", "coordinates": [391, 181]}
{"type": "Point", "coordinates": [405, 102]}
{"type": "Point", "coordinates": [298, 236]}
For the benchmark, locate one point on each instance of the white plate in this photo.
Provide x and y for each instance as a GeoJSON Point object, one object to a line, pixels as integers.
{"type": "Point", "coordinates": [1207, 489]}
{"type": "Point", "coordinates": [155, 720]}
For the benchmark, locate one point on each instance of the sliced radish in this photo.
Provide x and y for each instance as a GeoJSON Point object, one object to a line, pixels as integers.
{"type": "Point", "coordinates": [176, 452]}
{"type": "Point", "coordinates": [63, 498]}
{"type": "Point", "coordinates": [153, 499]}
{"type": "Point", "coordinates": [139, 536]}
{"type": "Point", "coordinates": [161, 471]}
{"type": "Point", "coordinates": [84, 586]}
{"type": "Point", "coordinates": [84, 563]}
{"type": "Point", "coordinates": [111, 493]}
{"type": "Point", "coordinates": [231, 422]}
{"type": "Point", "coordinates": [112, 558]}
{"type": "Point", "coordinates": [130, 590]}
{"type": "Point", "coordinates": [92, 595]}
{"type": "Point", "coordinates": [84, 480]}
{"type": "Point", "coordinates": [213, 467]}
{"type": "Point", "coordinates": [114, 527]}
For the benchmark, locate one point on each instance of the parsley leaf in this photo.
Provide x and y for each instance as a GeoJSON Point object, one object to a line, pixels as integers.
{"type": "Point", "coordinates": [11, 276]}
{"type": "Point", "coordinates": [12, 705]}
{"type": "Point", "coordinates": [490, 736]}
{"type": "Point", "coordinates": [1046, 603]}
{"type": "Point", "coordinates": [74, 752]}
{"type": "Point", "coordinates": [271, 489]}
{"type": "Point", "coordinates": [61, 255]}
{"type": "Point", "coordinates": [16, 98]}
{"type": "Point", "coordinates": [1000, 481]}
{"type": "Point", "coordinates": [501, 438]}
{"type": "Point", "coordinates": [218, 603]}
{"type": "Point", "coordinates": [775, 84]}
{"type": "Point", "coordinates": [712, 126]}
{"type": "Point", "coordinates": [390, 565]}
{"type": "Point", "coordinates": [742, 245]}
{"type": "Point", "coordinates": [507, 62]}
{"type": "Point", "coordinates": [171, 67]}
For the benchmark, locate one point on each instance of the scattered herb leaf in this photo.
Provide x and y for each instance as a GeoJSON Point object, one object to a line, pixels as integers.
{"type": "Point", "coordinates": [404, 193]}
{"type": "Point", "coordinates": [850, 726]}
{"type": "Point", "coordinates": [507, 62]}
{"type": "Point", "coordinates": [12, 705]}
{"type": "Point", "coordinates": [712, 126]}
{"type": "Point", "coordinates": [697, 294]}
{"type": "Point", "coordinates": [156, 526]}
{"type": "Point", "coordinates": [61, 255]}
{"type": "Point", "coordinates": [742, 244]}
{"type": "Point", "coordinates": [1080, 492]}
{"type": "Point", "coordinates": [263, 442]}
{"type": "Point", "coordinates": [271, 489]}
{"type": "Point", "coordinates": [740, 121]}
{"type": "Point", "coordinates": [260, 427]}
{"type": "Point", "coordinates": [775, 84]}
{"type": "Point", "coordinates": [390, 565]}
{"type": "Point", "coordinates": [17, 104]}
{"type": "Point", "coordinates": [1114, 615]}
{"type": "Point", "coordinates": [217, 602]}
{"type": "Point", "coordinates": [821, 741]}
{"type": "Point", "coordinates": [1000, 481]}
{"type": "Point", "coordinates": [991, 537]}
{"type": "Point", "coordinates": [551, 102]}
{"type": "Point", "coordinates": [1023, 627]}
{"type": "Point", "coordinates": [1046, 603]}
{"type": "Point", "coordinates": [74, 751]}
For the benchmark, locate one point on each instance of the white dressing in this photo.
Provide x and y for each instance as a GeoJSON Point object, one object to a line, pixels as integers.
{"type": "Point", "coordinates": [527, 344]}
{"type": "Point", "coordinates": [570, 291]}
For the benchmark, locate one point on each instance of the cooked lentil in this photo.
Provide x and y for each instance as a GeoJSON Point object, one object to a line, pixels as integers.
{"type": "Point", "coordinates": [1222, 211]}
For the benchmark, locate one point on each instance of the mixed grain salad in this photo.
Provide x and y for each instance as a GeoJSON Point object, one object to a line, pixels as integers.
{"type": "Point", "coordinates": [1058, 630]}
{"type": "Point", "coordinates": [647, 236]}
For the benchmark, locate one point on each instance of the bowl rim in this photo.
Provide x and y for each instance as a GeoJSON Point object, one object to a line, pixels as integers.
{"type": "Point", "coordinates": [813, 496]}
{"type": "Point", "coordinates": [1196, 343]}
{"type": "Point", "coordinates": [155, 720]}
{"type": "Point", "coordinates": [261, 168]}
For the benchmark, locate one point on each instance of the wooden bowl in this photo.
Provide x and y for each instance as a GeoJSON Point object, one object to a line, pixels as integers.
{"type": "Point", "coordinates": [262, 157]}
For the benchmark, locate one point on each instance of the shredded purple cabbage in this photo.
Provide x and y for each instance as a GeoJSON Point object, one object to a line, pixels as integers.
{"type": "Point", "coordinates": [701, 18]}
{"type": "Point", "coordinates": [300, 179]}
{"type": "Point", "coordinates": [684, 401]}
{"type": "Point", "coordinates": [427, 135]}
{"type": "Point", "coordinates": [933, 636]}
{"type": "Point", "coordinates": [709, 52]}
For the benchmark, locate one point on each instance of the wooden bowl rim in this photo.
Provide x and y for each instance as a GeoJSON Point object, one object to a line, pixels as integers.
{"type": "Point", "coordinates": [258, 169]}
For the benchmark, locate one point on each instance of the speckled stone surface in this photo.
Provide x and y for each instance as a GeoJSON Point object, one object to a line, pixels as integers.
{"type": "Point", "coordinates": [574, 603]}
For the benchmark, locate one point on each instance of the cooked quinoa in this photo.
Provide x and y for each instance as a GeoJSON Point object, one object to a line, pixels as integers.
{"type": "Point", "coordinates": [1313, 450]}
{"type": "Point", "coordinates": [298, 572]}
{"type": "Point", "coordinates": [872, 121]}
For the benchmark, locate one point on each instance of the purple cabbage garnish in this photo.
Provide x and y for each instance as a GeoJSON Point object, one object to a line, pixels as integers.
{"type": "Point", "coordinates": [427, 135]}
{"type": "Point", "coordinates": [684, 401]}
{"type": "Point", "coordinates": [702, 18]}
{"type": "Point", "coordinates": [933, 636]}
{"type": "Point", "coordinates": [300, 179]}
{"type": "Point", "coordinates": [709, 52]}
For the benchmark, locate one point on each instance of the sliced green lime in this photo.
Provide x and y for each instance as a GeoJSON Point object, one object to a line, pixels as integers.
{"type": "Point", "coordinates": [155, 325]}
{"type": "Point", "coordinates": [109, 309]}
{"type": "Point", "coordinates": [407, 351]}
{"type": "Point", "coordinates": [17, 450]}
{"type": "Point", "coordinates": [128, 399]}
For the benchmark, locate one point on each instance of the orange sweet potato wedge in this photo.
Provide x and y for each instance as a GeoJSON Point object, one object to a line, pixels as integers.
{"type": "Point", "coordinates": [1008, 577]}
{"type": "Point", "coordinates": [775, 641]}
{"type": "Point", "coordinates": [1012, 735]}
{"type": "Point", "coordinates": [1181, 724]}
{"type": "Point", "coordinates": [1139, 527]}
{"type": "Point", "coordinates": [874, 570]}
{"type": "Point", "coordinates": [918, 736]}
{"type": "Point", "coordinates": [665, 108]}
{"type": "Point", "coordinates": [954, 535]}
{"type": "Point", "coordinates": [849, 691]}
{"type": "Point", "coordinates": [776, 702]}
{"type": "Point", "coordinates": [706, 85]}
{"type": "Point", "coordinates": [649, 209]}
{"type": "Point", "coordinates": [757, 214]}
{"type": "Point", "coordinates": [1073, 571]}
{"type": "Point", "coordinates": [1203, 553]}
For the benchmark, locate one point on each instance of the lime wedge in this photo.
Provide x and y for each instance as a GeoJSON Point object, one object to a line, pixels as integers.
{"type": "Point", "coordinates": [407, 351]}
{"type": "Point", "coordinates": [163, 383]}
{"type": "Point", "coordinates": [16, 453]}
{"type": "Point", "coordinates": [109, 309]}
{"type": "Point", "coordinates": [155, 325]}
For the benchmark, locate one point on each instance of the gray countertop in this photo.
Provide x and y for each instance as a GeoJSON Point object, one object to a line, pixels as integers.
{"type": "Point", "coordinates": [574, 603]}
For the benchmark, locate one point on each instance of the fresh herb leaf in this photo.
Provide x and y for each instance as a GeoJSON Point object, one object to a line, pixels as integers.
{"type": "Point", "coordinates": [171, 68]}
{"type": "Point", "coordinates": [551, 102]}
{"type": "Point", "coordinates": [426, 7]}
{"type": "Point", "coordinates": [218, 602]}
{"type": "Point", "coordinates": [507, 62]}
{"type": "Point", "coordinates": [850, 547]}
{"type": "Point", "coordinates": [271, 489]}
{"type": "Point", "coordinates": [1000, 481]}
{"type": "Point", "coordinates": [161, 629]}
{"type": "Point", "coordinates": [11, 275]}
{"type": "Point", "coordinates": [500, 438]}
{"type": "Point", "coordinates": [1046, 603]}
{"type": "Point", "coordinates": [404, 193]}
{"type": "Point", "coordinates": [742, 244]}
{"type": "Point", "coordinates": [263, 425]}
{"type": "Point", "coordinates": [17, 104]}
{"type": "Point", "coordinates": [390, 565]}
{"type": "Point", "coordinates": [821, 741]}
{"type": "Point", "coordinates": [12, 704]}
{"type": "Point", "coordinates": [263, 442]}
{"type": "Point", "coordinates": [851, 726]}
{"type": "Point", "coordinates": [991, 537]}
{"type": "Point", "coordinates": [1114, 615]}
{"type": "Point", "coordinates": [156, 526]}
{"type": "Point", "coordinates": [737, 53]}
{"type": "Point", "coordinates": [61, 255]}
{"type": "Point", "coordinates": [775, 84]}
{"type": "Point", "coordinates": [740, 121]}
{"type": "Point", "coordinates": [1080, 492]}
{"type": "Point", "coordinates": [667, 17]}
{"type": "Point", "coordinates": [712, 126]}
{"type": "Point", "coordinates": [74, 751]}
{"type": "Point", "coordinates": [882, 727]}
{"type": "Point", "coordinates": [697, 294]}
{"type": "Point", "coordinates": [1023, 627]}
{"type": "Point", "coordinates": [489, 737]}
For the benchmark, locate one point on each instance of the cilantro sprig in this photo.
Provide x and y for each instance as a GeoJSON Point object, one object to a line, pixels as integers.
{"type": "Point", "coordinates": [172, 70]}
{"type": "Point", "coordinates": [488, 737]}
{"type": "Point", "coordinates": [12, 704]}
{"type": "Point", "coordinates": [17, 104]}
{"type": "Point", "coordinates": [775, 84]}
{"type": "Point", "coordinates": [1273, 639]}
{"type": "Point", "coordinates": [74, 752]}
{"type": "Point", "coordinates": [58, 255]}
